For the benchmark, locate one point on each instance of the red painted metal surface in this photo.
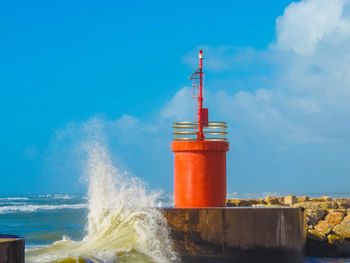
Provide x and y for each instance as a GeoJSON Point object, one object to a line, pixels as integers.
{"type": "Point", "coordinates": [200, 174]}
{"type": "Point", "coordinates": [204, 117]}
{"type": "Point", "coordinates": [200, 97]}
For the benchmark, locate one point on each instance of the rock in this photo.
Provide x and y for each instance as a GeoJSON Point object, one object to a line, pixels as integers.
{"type": "Point", "coordinates": [343, 229]}
{"type": "Point", "coordinates": [329, 205]}
{"type": "Point", "coordinates": [348, 211]}
{"type": "Point", "coordinates": [323, 227]}
{"type": "Point", "coordinates": [341, 246]}
{"type": "Point", "coordinates": [336, 210]}
{"type": "Point", "coordinates": [347, 218]}
{"type": "Point", "coordinates": [270, 200]}
{"type": "Point", "coordinates": [331, 238]}
{"type": "Point", "coordinates": [314, 212]}
{"type": "Point", "coordinates": [343, 203]}
{"type": "Point", "coordinates": [302, 199]}
{"type": "Point", "coordinates": [243, 202]}
{"type": "Point", "coordinates": [309, 227]}
{"type": "Point", "coordinates": [290, 200]}
{"type": "Point", "coordinates": [315, 235]}
{"type": "Point", "coordinates": [326, 198]}
{"type": "Point", "coordinates": [323, 204]}
{"type": "Point", "coordinates": [281, 199]}
{"type": "Point", "coordinates": [334, 218]}
{"type": "Point", "coordinates": [316, 200]}
{"type": "Point", "coordinates": [313, 216]}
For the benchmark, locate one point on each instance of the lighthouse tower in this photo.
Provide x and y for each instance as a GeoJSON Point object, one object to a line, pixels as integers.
{"type": "Point", "coordinates": [200, 155]}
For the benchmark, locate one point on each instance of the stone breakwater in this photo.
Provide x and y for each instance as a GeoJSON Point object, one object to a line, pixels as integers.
{"type": "Point", "coordinates": [328, 221]}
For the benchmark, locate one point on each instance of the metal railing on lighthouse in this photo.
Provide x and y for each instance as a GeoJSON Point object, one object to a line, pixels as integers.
{"type": "Point", "coordinates": [189, 131]}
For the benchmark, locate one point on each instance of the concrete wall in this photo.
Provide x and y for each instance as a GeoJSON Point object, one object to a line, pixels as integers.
{"type": "Point", "coordinates": [238, 234]}
{"type": "Point", "coordinates": [11, 249]}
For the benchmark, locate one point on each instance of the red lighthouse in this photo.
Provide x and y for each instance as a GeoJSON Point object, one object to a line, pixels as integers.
{"type": "Point", "coordinates": [200, 155]}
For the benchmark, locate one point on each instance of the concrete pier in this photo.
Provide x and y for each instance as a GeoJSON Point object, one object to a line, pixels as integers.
{"type": "Point", "coordinates": [238, 234]}
{"type": "Point", "coordinates": [11, 249]}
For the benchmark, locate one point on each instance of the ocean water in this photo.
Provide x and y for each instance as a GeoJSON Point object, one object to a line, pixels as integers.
{"type": "Point", "coordinates": [43, 219]}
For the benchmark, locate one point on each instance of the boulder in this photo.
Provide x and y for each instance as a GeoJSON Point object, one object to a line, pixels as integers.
{"type": "Point", "coordinates": [340, 245]}
{"type": "Point", "coordinates": [243, 202]}
{"type": "Point", "coordinates": [337, 210]}
{"type": "Point", "coordinates": [324, 205]}
{"type": "Point", "coordinates": [315, 235]}
{"type": "Point", "coordinates": [316, 200]}
{"type": "Point", "coordinates": [329, 205]}
{"type": "Point", "coordinates": [313, 216]}
{"type": "Point", "coordinates": [271, 200]}
{"type": "Point", "coordinates": [331, 238]}
{"type": "Point", "coordinates": [343, 203]}
{"type": "Point", "coordinates": [281, 199]}
{"type": "Point", "coordinates": [323, 227]}
{"type": "Point", "coordinates": [314, 212]}
{"type": "Point", "coordinates": [290, 200]}
{"type": "Point", "coordinates": [326, 198]}
{"type": "Point", "coordinates": [302, 199]}
{"type": "Point", "coordinates": [334, 218]}
{"type": "Point", "coordinates": [343, 229]}
{"type": "Point", "coordinates": [347, 218]}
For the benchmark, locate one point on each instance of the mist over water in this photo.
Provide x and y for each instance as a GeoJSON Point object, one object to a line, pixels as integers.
{"type": "Point", "coordinates": [122, 225]}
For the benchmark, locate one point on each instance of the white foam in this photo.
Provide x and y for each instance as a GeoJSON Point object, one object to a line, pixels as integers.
{"type": "Point", "coordinates": [62, 196]}
{"type": "Point", "coordinates": [13, 198]}
{"type": "Point", "coordinates": [35, 208]}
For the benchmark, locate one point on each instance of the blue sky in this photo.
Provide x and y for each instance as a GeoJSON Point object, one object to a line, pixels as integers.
{"type": "Point", "coordinates": [277, 71]}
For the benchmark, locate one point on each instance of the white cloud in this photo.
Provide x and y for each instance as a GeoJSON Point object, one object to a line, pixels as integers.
{"type": "Point", "coordinates": [304, 24]}
{"type": "Point", "coordinates": [127, 123]}
{"type": "Point", "coordinates": [180, 107]}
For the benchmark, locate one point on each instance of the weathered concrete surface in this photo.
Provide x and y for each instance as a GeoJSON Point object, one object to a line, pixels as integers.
{"type": "Point", "coordinates": [328, 231]}
{"type": "Point", "coordinates": [11, 249]}
{"type": "Point", "coordinates": [238, 234]}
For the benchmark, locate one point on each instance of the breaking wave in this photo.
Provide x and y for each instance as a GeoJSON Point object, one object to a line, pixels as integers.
{"type": "Point", "coordinates": [13, 198]}
{"type": "Point", "coordinates": [122, 225]}
{"type": "Point", "coordinates": [36, 208]}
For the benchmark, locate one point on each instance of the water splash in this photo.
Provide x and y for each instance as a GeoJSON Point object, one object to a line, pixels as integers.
{"type": "Point", "coordinates": [122, 224]}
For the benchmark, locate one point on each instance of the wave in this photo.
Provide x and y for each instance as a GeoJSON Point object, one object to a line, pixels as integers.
{"type": "Point", "coordinates": [55, 196]}
{"type": "Point", "coordinates": [35, 208]}
{"type": "Point", "coordinates": [13, 203]}
{"type": "Point", "coordinates": [122, 225]}
{"type": "Point", "coordinates": [62, 196]}
{"type": "Point", "coordinates": [14, 198]}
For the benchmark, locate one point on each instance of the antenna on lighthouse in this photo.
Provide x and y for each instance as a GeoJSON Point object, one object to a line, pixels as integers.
{"type": "Point", "coordinates": [201, 113]}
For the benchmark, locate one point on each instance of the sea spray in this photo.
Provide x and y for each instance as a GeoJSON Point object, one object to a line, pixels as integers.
{"type": "Point", "coordinates": [123, 225]}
